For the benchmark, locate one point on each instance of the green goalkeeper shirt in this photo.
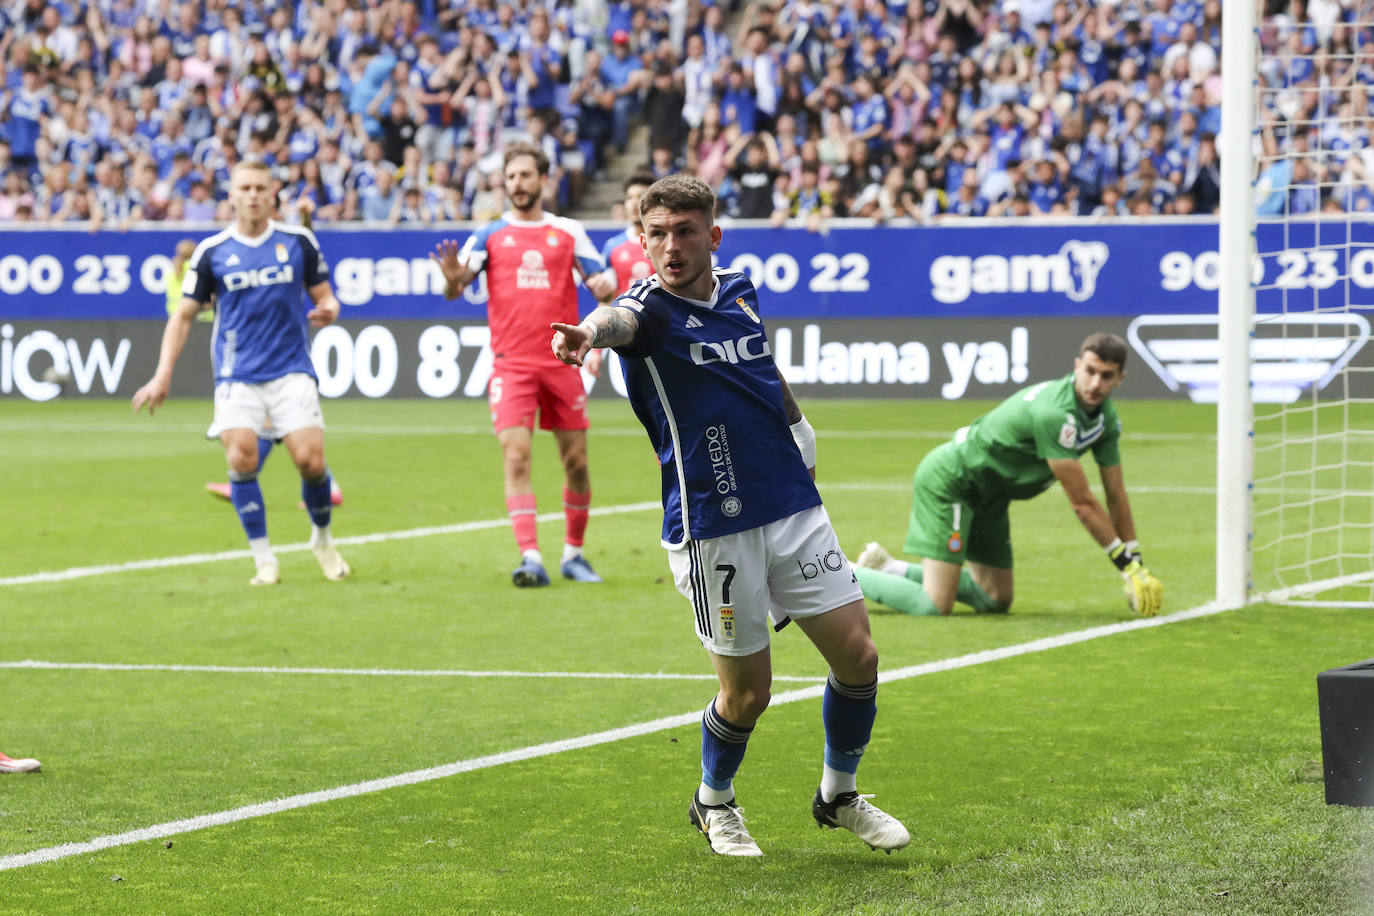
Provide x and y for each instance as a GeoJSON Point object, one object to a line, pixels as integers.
{"type": "Point", "coordinates": [1005, 453]}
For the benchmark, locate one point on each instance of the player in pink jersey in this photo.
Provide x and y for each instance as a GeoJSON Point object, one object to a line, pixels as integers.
{"type": "Point", "coordinates": [533, 262]}
{"type": "Point", "coordinates": [623, 252]}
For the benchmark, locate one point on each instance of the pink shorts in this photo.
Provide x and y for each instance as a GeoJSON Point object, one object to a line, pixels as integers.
{"type": "Point", "coordinates": [516, 394]}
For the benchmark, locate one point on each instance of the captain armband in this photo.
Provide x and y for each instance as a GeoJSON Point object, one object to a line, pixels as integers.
{"type": "Point", "coordinates": [805, 437]}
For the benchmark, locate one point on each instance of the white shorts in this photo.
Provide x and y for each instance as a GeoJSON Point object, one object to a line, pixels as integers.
{"type": "Point", "coordinates": [272, 410]}
{"type": "Point", "coordinates": [791, 568]}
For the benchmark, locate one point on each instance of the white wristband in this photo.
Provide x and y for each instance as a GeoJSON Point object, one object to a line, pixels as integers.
{"type": "Point", "coordinates": [805, 437]}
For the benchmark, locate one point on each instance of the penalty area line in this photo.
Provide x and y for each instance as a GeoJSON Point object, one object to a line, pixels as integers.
{"type": "Point", "coordinates": [291, 803]}
{"type": "Point", "coordinates": [39, 665]}
{"type": "Point", "coordinates": [193, 559]}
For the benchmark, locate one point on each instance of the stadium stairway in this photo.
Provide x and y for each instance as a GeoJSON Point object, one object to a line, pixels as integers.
{"type": "Point", "coordinates": [604, 192]}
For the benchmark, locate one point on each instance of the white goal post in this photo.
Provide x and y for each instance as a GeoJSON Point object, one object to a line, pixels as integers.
{"type": "Point", "coordinates": [1295, 408]}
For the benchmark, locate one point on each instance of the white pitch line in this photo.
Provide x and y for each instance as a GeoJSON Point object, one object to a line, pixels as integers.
{"type": "Point", "coordinates": [38, 665]}
{"type": "Point", "coordinates": [277, 806]}
{"type": "Point", "coordinates": [1161, 490]}
{"type": "Point", "coordinates": [429, 430]}
{"type": "Point", "coordinates": [81, 572]}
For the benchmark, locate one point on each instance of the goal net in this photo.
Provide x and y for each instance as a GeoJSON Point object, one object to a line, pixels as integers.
{"type": "Point", "coordinates": [1311, 369]}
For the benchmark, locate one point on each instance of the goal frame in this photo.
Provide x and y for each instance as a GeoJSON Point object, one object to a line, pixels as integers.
{"type": "Point", "coordinates": [1236, 305]}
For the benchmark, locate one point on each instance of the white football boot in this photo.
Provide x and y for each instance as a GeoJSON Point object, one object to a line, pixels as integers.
{"type": "Point", "coordinates": [724, 828]}
{"type": "Point", "coordinates": [869, 823]}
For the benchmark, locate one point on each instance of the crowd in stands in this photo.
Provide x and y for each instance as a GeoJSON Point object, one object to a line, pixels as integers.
{"type": "Point", "coordinates": [397, 111]}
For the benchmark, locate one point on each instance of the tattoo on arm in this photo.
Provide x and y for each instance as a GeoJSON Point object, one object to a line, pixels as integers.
{"type": "Point", "coordinates": [789, 402]}
{"type": "Point", "coordinates": [612, 327]}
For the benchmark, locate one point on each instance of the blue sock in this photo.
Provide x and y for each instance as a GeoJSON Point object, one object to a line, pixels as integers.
{"type": "Point", "coordinates": [722, 749]}
{"type": "Point", "coordinates": [317, 501]}
{"type": "Point", "coordinates": [246, 496]}
{"type": "Point", "coordinates": [264, 449]}
{"type": "Point", "coordinates": [848, 713]}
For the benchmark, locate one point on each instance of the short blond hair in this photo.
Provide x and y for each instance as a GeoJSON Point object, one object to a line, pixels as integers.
{"type": "Point", "coordinates": [256, 165]}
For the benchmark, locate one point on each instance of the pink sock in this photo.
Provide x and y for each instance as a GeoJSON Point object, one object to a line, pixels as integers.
{"type": "Point", "coordinates": [575, 511]}
{"type": "Point", "coordinates": [522, 512]}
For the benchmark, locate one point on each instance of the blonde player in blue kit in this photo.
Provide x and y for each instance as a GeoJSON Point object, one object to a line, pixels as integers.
{"type": "Point", "coordinates": [747, 536]}
{"type": "Point", "coordinates": [255, 273]}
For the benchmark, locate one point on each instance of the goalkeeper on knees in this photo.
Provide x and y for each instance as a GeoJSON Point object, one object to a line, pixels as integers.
{"type": "Point", "coordinates": [962, 488]}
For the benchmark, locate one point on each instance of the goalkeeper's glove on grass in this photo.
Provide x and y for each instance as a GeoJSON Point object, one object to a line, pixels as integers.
{"type": "Point", "coordinates": [1144, 593]}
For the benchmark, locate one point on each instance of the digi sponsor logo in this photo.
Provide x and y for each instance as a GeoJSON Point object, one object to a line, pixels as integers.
{"type": "Point", "coordinates": [831, 561]}
{"type": "Point", "coordinates": [727, 623]}
{"type": "Point", "coordinates": [1073, 272]}
{"type": "Point", "coordinates": [743, 349]}
{"type": "Point", "coordinates": [251, 279]}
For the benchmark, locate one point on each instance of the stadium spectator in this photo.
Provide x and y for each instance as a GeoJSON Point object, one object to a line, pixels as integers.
{"type": "Point", "coordinates": [934, 72]}
{"type": "Point", "coordinates": [532, 260]}
{"type": "Point", "coordinates": [269, 381]}
{"type": "Point", "coordinates": [623, 74]}
{"type": "Point", "coordinates": [754, 169]}
{"type": "Point", "coordinates": [809, 203]}
{"type": "Point", "coordinates": [963, 488]}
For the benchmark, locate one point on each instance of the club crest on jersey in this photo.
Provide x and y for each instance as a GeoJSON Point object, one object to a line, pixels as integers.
{"type": "Point", "coordinates": [727, 623]}
{"type": "Point", "coordinates": [551, 239]}
{"type": "Point", "coordinates": [282, 255]}
{"type": "Point", "coordinates": [747, 310]}
{"type": "Point", "coordinates": [955, 543]}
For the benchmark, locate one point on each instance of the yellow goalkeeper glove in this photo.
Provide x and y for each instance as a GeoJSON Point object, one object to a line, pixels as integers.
{"type": "Point", "coordinates": [1144, 593]}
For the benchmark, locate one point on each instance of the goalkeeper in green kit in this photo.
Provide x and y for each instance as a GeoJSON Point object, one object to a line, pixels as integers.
{"type": "Point", "coordinates": [959, 524]}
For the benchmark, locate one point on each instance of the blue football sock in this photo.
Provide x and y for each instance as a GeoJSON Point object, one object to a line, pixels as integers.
{"type": "Point", "coordinates": [264, 449]}
{"type": "Point", "coordinates": [317, 501]}
{"type": "Point", "coordinates": [246, 496]}
{"type": "Point", "coordinates": [722, 749]}
{"type": "Point", "coordinates": [848, 712]}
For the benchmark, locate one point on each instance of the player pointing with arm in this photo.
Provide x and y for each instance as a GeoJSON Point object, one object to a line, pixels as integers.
{"type": "Point", "coordinates": [254, 272]}
{"type": "Point", "coordinates": [746, 533]}
{"type": "Point", "coordinates": [532, 260]}
{"type": "Point", "coordinates": [962, 490]}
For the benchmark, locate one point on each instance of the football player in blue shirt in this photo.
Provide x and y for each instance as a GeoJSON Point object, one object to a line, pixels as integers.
{"type": "Point", "coordinates": [747, 536]}
{"type": "Point", "coordinates": [254, 272]}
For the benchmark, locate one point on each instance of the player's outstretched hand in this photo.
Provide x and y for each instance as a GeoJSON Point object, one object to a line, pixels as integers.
{"type": "Point", "coordinates": [445, 254]}
{"type": "Point", "coordinates": [1144, 592]}
{"type": "Point", "coordinates": [570, 342]}
{"type": "Point", "coordinates": [152, 394]}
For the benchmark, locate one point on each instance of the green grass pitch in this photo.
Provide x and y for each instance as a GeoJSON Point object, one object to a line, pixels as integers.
{"type": "Point", "coordinates": [1168, 769]}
